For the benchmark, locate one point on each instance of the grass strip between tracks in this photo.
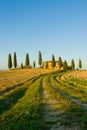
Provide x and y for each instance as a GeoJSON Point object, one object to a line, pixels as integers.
{"type": "Point", "coordinates": [25, 113]}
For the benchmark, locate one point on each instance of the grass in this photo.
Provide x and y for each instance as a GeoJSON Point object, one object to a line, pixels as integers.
{"type": "Point", "coordinates": [79, 87]}
{"type": "Point", "coordinates": [25, 113]}
{"type": "Point", "coordinates": [11, 97]}
{"type": "Point", "coordinates": [10, 78]}
{"type": "Point", "coordinates": [9, 100]}
{"type": "Point", "coordinates": [72, 87]}
{"type": "Point", "coordinates": [21, 104]}
{"type": "Point", "coordinates": [63, 103]}
{"type": "Point", "coordinates": [74, 114]}
{"type": "Point", "coordinates": [69, 112]}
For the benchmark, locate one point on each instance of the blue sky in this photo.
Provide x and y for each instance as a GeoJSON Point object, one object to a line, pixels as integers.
{"type": "Point", "coordinates": [56, 27]}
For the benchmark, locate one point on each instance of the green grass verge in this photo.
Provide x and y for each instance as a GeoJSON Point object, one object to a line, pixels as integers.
{"type": "Point", "coordinates": [69, 113]}
{"type": "Point", "coordinates": [72, 87]}
{"type": "Point", "coordinates": [75, 114]}
{"type": "Point", "coordinates": [24, 115]}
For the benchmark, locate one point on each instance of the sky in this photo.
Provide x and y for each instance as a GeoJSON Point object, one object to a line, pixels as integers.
{"type": "Point", "coordinates": [56, 27]}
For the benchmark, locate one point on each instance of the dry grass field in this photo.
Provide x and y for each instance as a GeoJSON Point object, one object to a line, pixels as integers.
{"type": "Point", "coordinates": [36, 99]}
{"type": "Point", "coordinates": [80, 74]}
{"type": "Point", "coordinates": [11, 78]}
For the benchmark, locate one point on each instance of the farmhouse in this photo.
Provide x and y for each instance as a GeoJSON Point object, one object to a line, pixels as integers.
{"type": "Point", "coordinates": [48, 64]}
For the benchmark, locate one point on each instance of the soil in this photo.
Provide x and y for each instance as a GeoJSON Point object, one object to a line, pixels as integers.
{"type": "Point", "coordinates": [50, 116]}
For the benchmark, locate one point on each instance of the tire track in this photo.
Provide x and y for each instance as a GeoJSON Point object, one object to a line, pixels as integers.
{"type": "Point", "coordinates": [50, 116]}
{"type": "Point", "coordinates": [83, 105]}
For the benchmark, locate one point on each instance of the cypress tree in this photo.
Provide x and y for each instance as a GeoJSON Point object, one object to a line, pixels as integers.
{"type": "Point", "coordinates": [65, 66]}
{"type": "Point", "coordinates": [40, 58]}
{"type": "Point", "coordinates": [46, 64]}
{"type": "Point", "coordinates": [21, 65]}
{"type": "Point", "coordinates": [34, 64]}
{"type": "Point", "coordinates": [9, 61]}
{"type": "Point", "coordinates": [15, 60]}
{"type": "Point", "coordinates": [73, 64]}
{"type": "Point", "coordinates": [80, 64]}
{"type": "Point", "coordinates": [53, 61]}
{"type": "Point", "coordinates": [60, 62]}
{"type": "Point", "coordinates": [27, 62]}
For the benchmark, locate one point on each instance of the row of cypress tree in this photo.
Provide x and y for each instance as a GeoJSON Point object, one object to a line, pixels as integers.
{"type": "Point", "coordinates": [27, 62]}
{"type": "Point", "coordinates": [65, 64]}
{"type": "Point", "coordinates": [10, 60]}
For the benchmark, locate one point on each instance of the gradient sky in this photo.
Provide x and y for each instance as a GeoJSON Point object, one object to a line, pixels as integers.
{"type": "Point", "coordinates": [56, 27]}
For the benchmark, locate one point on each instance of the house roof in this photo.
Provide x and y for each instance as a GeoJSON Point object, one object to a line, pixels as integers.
{"type": "Point", "coordinates": [49, 61]}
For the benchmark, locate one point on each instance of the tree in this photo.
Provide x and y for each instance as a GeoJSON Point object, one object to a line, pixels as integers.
{"type": "Point", "coordinates": [60, 62]}
{"type": "Point", "coordinates": [27, 62]}
{"type": "Point", "coordinates": [65, 66]}
{"type": "Point", "coordinates": [22, 66]}
{"type": "Point", "coordinates": [9, 61]}
{"type": "Point", "coordinates": [73, 64]}
{"type": "Point", "coordinates": [40, 58]}
{"type": "Point", "coordinates": [53, 61]}
{"type": "Point", "coordinates": [34, 64]}
{"type": "Point", "coordinates": [46, 64]}
{"type": "Point", "coordinates": [80, 64]}
{"type": "Point", "coordinates": [15, 60]}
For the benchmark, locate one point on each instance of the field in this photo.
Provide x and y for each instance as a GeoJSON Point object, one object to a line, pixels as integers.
{"type": "Point", "coordinates": [43, 99]}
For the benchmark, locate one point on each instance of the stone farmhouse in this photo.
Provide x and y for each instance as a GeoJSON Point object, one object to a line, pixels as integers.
{"type": "Point", "coordinates": [50, 65]}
